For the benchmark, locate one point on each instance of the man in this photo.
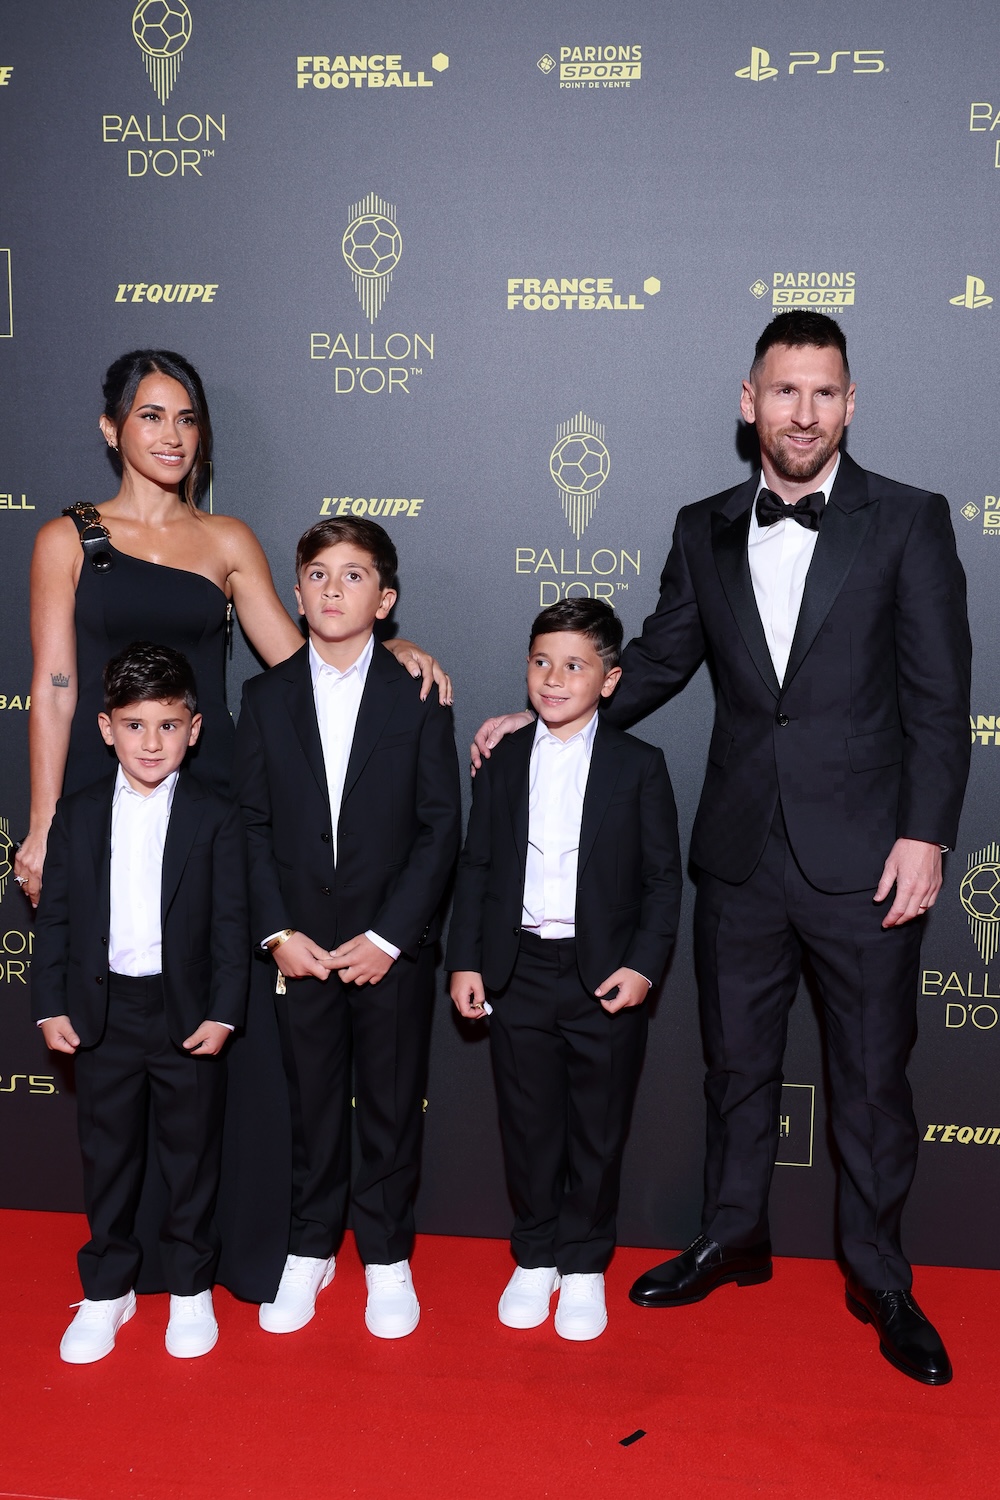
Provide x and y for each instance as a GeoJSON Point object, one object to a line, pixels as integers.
{"type": "Point", "coordinates": [830, 603]}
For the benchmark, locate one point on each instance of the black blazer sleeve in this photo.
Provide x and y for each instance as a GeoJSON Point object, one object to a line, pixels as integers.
{"type": "Point", "coordinates": [230, 923]}
{"type": "Point", "coordinates": [660, 867]}
{"type": "Point", "coordinates": [413, 897]}
{"type": "Point", "coordinates": [268, 912]}
{"type": "Point", "coordinates": [50, 959]}
{"type": "Point", "coordinates": [465, 935]}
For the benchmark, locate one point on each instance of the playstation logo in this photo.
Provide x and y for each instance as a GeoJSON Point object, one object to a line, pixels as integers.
{"type": "Point", "coordinates": [974, 294]}
{"type": "Point", "coordinates": [760, 67]}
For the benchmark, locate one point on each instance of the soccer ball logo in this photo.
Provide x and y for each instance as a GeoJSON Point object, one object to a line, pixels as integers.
{"type": "Point", "coordinates": [372, 245]}
{"type": "Point", "coordinates": [162, 29]}
{"type": "Point", "coordinates": [6, 866]}
{"type": "Point", "coordinates": [580, 463]}
{"type": "Point", "coordinates": [979, 894]}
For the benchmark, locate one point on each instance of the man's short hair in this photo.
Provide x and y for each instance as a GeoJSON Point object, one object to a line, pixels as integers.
{"type": "Point", "coordinates": [797, 330]}
{"type": "Point", "coordinates": [144, 673]}
{"type": "Point", "coordinates": [369, 536]}
{"type": "Point", "coordinates": [593, 618]}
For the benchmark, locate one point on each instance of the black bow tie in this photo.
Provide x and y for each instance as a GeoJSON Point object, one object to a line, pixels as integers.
{"type": "Point", "coordinates": [808, 511]}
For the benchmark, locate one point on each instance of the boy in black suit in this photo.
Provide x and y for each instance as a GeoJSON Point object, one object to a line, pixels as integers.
{"type": "Point", "coordinates": [350, 793]}
{"type": "Point", "coordinates": [140, 970]}
{"type": "Point", "coordinates": [566, 909]}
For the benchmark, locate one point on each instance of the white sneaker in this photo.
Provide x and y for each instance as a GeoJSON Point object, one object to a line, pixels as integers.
{"type": "Point", "coordinates": [525, 1299]}
{"type": "Point", "coordinates": [91, 1335]}
{"type": "Point", "coordinates": [302, 1280]}
{"type": "Point", "coordinates": [581, 1313]}
{"type": "Point", "coordinates": [192, 1329]}
{"type": "Point", "coordinates": [393, 1310]}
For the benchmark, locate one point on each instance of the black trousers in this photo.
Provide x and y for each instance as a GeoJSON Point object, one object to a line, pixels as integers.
{"type": "Point", "coordinates": [385, 1029]}
{"type": "Point", "coordinates": [133, 1083]}
{"type": "Point", "coordinates": [749, 944]}
{"type": "Point", "coordinates": [566, 1074]}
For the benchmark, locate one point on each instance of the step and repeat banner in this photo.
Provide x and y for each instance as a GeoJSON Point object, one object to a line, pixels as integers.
{"type": "Point", "coordinates": [492, 275]}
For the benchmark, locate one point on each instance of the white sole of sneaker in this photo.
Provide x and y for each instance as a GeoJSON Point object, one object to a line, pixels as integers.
{"type": "Point", "coordinates": [395, 1333]}
{"type": "Point", "coordinates": [578, 1336]}
{"type": "Point", "coordinates": [190, 1353]}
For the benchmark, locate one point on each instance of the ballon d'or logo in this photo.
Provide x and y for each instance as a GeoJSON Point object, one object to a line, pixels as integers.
{"type": "Point", "coordinates": [979, 894]}
{"type": "Point", "coordinates": [162, 29]}
{"type": "Point", "coordinates": [372, 246]}
{"type": "Point", "coordinates": [579, 463]}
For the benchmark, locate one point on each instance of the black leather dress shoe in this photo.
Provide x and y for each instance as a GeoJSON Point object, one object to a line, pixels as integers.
{"type": "Point", "coordinates": [907, 1338]}
{"type": "Point", "coordinates": [698, 1270]}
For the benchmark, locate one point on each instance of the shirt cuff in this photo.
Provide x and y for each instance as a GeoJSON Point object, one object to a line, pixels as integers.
{"type": "Point", "coordinates": [225, 1024]}
{"type": "Point", "coordinates": [271, 937]}
{"type": "Point", "coordinates": [389, 948]}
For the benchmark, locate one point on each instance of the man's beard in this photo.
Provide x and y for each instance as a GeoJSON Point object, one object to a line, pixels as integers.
{"type": "Point", "coordinates": [799, 467]}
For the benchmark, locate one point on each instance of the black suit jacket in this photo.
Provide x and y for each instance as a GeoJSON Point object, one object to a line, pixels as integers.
{"type": "Point", "coordinates": [203, 912]}
{"type": "Point", "coordinates": [867, 738]}
{"type": "Point", "coordinates": [400, 815]}
{"type": "Point", "coordinates": [628, 872]}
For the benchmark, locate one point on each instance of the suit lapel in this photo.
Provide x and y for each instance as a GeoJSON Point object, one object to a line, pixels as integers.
{"type": "Point", "coordinates": [185, 816]}
{"type": "Point", "coordinates": [846, 523]}
{"type": "Point", "coordinates": [605, 768]}
{"type": "Point", "coordinates": [730, 529]}
{"type": "Point", "coordinates": [516, 773]}
{"type": "Point", "coordinates": [377, 703]}
{"type": "Point", "coordinates": [301, 706]}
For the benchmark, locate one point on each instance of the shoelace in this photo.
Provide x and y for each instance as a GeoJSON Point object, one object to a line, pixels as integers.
{"type": "Point", "coordinates": [583, 1289]}
{"type": "Point", "coordinates": [386, 1276]}
{"type": "Point", "coordinates": [534, 1278]}
{"type": "Point", "coordinates": [188, 1308]}
{"type": "Point", "coordinates": [299, 1271]}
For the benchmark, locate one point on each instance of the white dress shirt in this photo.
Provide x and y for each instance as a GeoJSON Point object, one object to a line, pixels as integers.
{"type": "Point", "coordinates": [779, 557]}
{"type": "Point", "coordinates": [557, 781]}
{"type": "Point", "coordinates": [337, 696]}
{"type": "Point", "coordinates": [138, 834]}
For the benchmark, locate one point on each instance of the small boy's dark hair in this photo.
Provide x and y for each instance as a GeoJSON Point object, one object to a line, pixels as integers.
{"type": "Point", "coordinates": [593, 618]}
{"type": "Point", "coordinates": [144, 673]}
{"type": "Point", "coordinates": [367, 535]}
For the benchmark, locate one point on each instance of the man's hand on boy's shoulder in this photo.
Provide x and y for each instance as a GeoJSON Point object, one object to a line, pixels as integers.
{"type": "Point", "coordinates": [209, 1039]}
{"type": "Point", "coordinates": [360, 961]}
{"type": "Point", "coordinates": [59, 1034]}
{"type": "Point", "coordinates": [632, 989]}
{"type": "Point", "coordinates": [469, 994]}
{"type": "Point", "coordinates": [299, 957]}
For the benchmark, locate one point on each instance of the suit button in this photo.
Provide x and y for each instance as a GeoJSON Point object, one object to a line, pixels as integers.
{"type": "Point", "coordinates": [325, 837]}
{"type": "Point", "coordinates": [516, 931]}
{"type": "Point", "coordinates": [782, 721]}
{"type": "Point", "coordinates": [104, 941]}
{"type": "Point", "coordinates": [99, 978]}
{"type": "Point", "coordinates": [325, 889]}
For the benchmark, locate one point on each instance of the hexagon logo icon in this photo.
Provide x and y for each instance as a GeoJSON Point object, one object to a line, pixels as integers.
{"type": "Point", "coordinates": [580, 464]}
{"type": "Point", "coordinates": [372, 246]}
{"type": "Point", "coordinates": [162, 29]}
{"type": "Point", "coordinates": [979, 894]}
{"type": "Point", "coordinates": [440, 62]}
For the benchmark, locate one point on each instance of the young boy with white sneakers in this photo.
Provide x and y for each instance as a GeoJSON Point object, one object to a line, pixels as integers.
{"type": "Point", "coordinates": [566, 906]}
{"type": "Point", "coordinates": [350, 792]}
{"type": "Point", "coordinates": [140, 970]}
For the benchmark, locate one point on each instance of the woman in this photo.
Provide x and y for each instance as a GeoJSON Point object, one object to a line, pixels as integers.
{"type": "Point", "coordinates": [151, 566]}
{"type": "Point", "coordinates": [154, 567]}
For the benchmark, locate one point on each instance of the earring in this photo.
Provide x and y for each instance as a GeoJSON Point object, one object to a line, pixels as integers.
{"type": "Point", "coordinates": [113, 447]}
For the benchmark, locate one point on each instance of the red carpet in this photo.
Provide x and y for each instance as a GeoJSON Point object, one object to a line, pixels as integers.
{"type": "Point", "coordinates": [737, 1396]}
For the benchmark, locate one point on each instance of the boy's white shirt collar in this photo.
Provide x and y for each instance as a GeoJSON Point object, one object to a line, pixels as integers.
{"type": "Point", "coordinates": [587, 733]}
{"type": "Point", "coordinates": [361, 663]}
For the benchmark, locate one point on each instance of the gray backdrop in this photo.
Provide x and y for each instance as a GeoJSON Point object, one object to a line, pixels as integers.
{"type": "Point", "coordinates": [507, 265]}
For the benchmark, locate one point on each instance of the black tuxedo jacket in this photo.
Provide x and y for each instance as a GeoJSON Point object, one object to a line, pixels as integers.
{"type": "Point", "coordinates": [628, 872]}
{"type": "Point", "coordinates": [203, 911]}
{"type": "Point", "coordinates": [400, 815]}
{"type": "Point", "coordinates": [867, 738]}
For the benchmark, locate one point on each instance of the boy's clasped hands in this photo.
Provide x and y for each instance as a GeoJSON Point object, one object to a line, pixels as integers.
{"type": "Point", "coordinates": [358, 961]}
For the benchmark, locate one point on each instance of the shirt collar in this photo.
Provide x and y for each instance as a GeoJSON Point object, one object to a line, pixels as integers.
{"type": "Point", "coordinates": [165, 789]}
{"type": "Point", "coordinates": [319, 668]}
{"type": "Point", "coordinates": [823, 489]}
{"type": "Point", "coordinates": [586, 734]}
